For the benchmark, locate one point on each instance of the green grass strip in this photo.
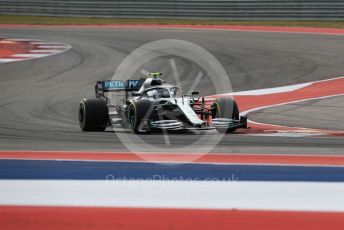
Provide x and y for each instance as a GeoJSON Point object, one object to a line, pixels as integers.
{"type": "Point", "coordinates": [42, 20]}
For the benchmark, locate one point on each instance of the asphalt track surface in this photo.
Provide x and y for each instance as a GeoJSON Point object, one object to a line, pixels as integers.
{"type": "Point", "coordinates": [324, 112]}
{"type": "Point", "coordinates": [39, 98]}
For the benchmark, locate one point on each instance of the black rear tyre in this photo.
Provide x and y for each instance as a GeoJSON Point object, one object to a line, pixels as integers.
{"type": "Point", "coordinates": [137, 112]}
{"type": "Point", "coordinates": [93, 115]}
{"type": "Point", "coordinates": [226, 108]}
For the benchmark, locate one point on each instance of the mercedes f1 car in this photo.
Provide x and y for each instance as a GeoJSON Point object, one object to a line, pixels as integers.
{"type": "Point", "coordinates": [149, 105]}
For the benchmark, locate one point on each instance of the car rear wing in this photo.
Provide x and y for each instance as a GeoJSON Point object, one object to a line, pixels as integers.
{"type": "Point", "coordinates": [116, 86]}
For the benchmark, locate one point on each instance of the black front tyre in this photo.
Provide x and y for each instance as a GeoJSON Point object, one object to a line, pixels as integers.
{"type": "Point", "coordinates": [139, 111]}
{"type": "Point", "coordinates": [226, 108]}
{"type": "Point", "coordinates": [93, 115]}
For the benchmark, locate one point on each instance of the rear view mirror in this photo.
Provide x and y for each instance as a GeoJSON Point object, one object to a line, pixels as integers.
{"type": "Point", "coordinates": [195, 93]}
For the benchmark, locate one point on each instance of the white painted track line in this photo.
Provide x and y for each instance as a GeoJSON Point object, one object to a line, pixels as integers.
{"type": "Point", "coordinates": [29, 55]}
{"type": "Point", "coordinates": [25, 40]}
{"type": "Point", "coordinates": [293, 196]}
{"type": "Point", "coordinates": [52, 47]}
{"type": "Point", "coordinates": [5, 60]}
{"type": "Point", "coordinates": [45, 51]}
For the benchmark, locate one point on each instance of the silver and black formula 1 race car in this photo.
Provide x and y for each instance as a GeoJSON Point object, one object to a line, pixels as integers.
{"type": "Point", "coordinates": [149, 105]}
